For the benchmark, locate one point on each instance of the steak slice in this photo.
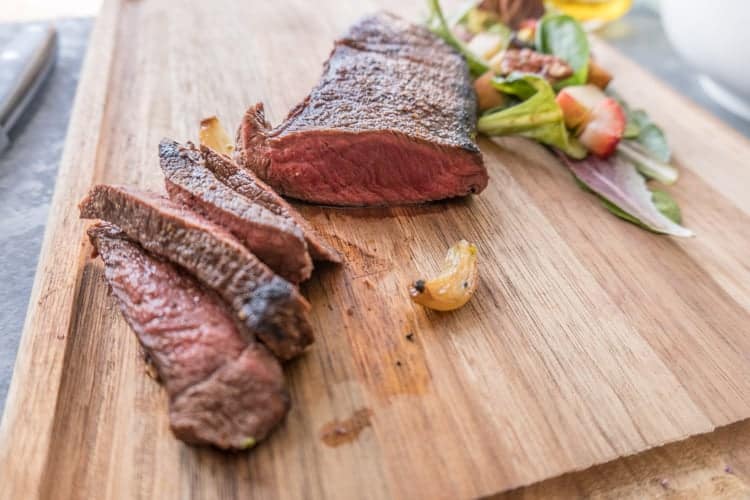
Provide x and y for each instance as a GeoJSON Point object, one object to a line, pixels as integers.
{"type": "Point", "coordinates": [222, 390]}
{"type": "Point", "coordinates": [277, 241]}
{"type": "Point", "coordinates": [246, 183]}
{"type": "Point", "coordinates": [241, 401]}
{"type": "Point", "coordinates": [267, 305]}
{"type": "Point", "coordinates": [391, 121]}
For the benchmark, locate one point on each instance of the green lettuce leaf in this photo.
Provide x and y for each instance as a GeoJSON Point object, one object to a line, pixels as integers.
{"type": "Point", "coordinates": [563, 36]}
{"type": "Point", "coordinates": [537, 116]}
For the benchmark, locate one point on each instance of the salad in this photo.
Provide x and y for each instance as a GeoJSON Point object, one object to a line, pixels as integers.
{"type": "Point", "coordinates": [535, 76]}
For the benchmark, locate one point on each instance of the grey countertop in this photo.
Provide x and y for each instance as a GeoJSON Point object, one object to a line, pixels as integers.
{"type": "Point", "coordinates": [27, 178]}
{"type": "Point", "coordinates": [29, 167]}
{"type": "Point", "coordinates": [640, 36]}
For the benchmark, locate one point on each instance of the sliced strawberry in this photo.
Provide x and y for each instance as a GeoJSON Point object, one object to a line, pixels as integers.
{"type": "Point", "coordinates": [527, 29]}
{"type": "Point", "coordinates": [604, 131]}
{"type": "Point", "coordinates": [598, 120]}
{"type": "Point", "coordinates": [575, 114]}
{"type": "Point", "coordinates": [588, 95]}
{"type": "Point", "coordinates": [529, 23]}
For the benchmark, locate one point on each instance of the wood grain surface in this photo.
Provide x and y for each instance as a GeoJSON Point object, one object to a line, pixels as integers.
{"type": "Point", "coordinates": [588, 339]}
{"type": "Point", "coordinates": [709, 466]}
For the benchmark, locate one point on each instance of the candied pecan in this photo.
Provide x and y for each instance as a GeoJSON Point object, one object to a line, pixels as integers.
{"type": "Point", "coordinates": [550, 67]}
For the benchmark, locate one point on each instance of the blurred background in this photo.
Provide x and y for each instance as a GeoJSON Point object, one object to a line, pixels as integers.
{"type": "Point", "coordinates": [693, 45]}
{"type": "Point", "coordinates": [33, 10]}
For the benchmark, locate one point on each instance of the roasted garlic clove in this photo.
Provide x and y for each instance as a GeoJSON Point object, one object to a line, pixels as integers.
{"type": "Point", "coordinates": [456, 283]}
{"type": "Point", "coordinates": [213, 135]}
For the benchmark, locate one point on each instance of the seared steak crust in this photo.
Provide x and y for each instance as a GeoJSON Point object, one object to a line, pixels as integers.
{"type": "Point", "coordinates": [246, 183]}
{"type": "Point", "coordinates": [391, 121]}
{"type": "Point", "coordinates": [276, 240]}
{"type": "Point", "coordinates": [266, 304]}
{"type": "Point", "coordinates": [399, 80]}
{"type": "Point", "coordinates": [222, 390]}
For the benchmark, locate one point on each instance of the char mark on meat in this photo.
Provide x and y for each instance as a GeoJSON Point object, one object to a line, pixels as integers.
{"type": "Point", "coordinates": [267, 305]}
{"type": "Point", "coordinates": [274, 239]}
{"type": "Point", "coordinates": [222, 390]}
{"type": "Point", "coordinates": [246, 183]}
{"type": "Point", "coordinates": [392, 120]}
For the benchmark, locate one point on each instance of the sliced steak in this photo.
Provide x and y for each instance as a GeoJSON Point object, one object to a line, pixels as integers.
{"type": "Point", "coordinates": [267, 305]}
{"type": "Point", "coordinates": [241, 402]}
{"type": "Point", "coordinates": [222, 390]}
{"type": "Point", "coordinates": [276, 240]}
{"type": "Point", "coordinates": [391, 121]}
{"type": "Point", "coordinates": [246, 183]}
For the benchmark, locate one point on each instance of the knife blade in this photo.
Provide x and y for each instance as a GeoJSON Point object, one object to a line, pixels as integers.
{"type": "Point", "coordinates": [25, 63]}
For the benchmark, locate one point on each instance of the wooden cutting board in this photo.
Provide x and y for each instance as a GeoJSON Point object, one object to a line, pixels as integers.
{"type": "Point", "coordinates": [588, 339]}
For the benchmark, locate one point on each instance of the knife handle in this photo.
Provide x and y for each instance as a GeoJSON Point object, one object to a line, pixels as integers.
{"type": "Point", "coordinates": [24, 64]}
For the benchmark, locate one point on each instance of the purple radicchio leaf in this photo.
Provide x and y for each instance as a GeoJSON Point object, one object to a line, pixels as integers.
{"type": "Point", "coordinates": [619, 183]}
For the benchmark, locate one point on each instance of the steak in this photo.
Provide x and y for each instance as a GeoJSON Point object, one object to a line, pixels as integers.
{"type": "Point", "coordinates": [267, 305]}
{"type": "Point", "coordinates": [222, 390]}
{"type": "Point", "coordinates": [246, 183]}
{"type": "Point", "coordinates": [276, 240]}
{"type": "Point", "coordinates": [391, 121]}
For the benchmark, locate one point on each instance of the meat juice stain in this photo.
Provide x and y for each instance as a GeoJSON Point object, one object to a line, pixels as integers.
{"type": "Point", "coordinates": [390, 362]}
{"type": "Point", "coordinates": [377, 337]}
{"type": "Point", "coordinates": [340, 432]}
{"type": "Point", "coordinates": [360, 262]}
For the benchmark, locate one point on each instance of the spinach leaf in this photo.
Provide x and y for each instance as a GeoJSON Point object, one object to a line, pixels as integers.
{"type": "Point", "coordinates": [631, 130]}
{"type": "Point", "coordinates": [537, 116]}
{"type": "Point", "coordinates": [636, 119]}
{"type": "Point", "coordinates": [654, 142]}
{"type": "Point", "coordinates": [667, 205]}
{"type": "Point", "coordinates": [563, 36]}
{"type": "Point", "coordinates": [641, 129]}
{"type": "Point", "coordinates": [646, 164]}
{"type": "Point", "coordinates": [645, 144]}
{"type": "Point", "coordinates": [639, 117]}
